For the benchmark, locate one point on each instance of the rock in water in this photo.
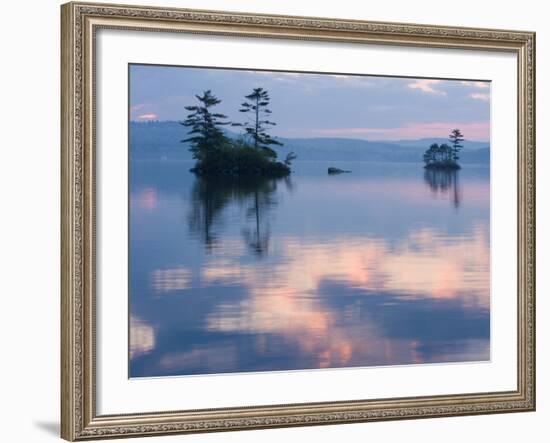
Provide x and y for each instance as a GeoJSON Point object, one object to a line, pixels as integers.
{"type": "Point", "coordinates": [333, 170]}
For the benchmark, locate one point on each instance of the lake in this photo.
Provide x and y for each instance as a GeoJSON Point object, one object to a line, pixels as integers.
{"type": "Point", "coordinates": [386, 265]}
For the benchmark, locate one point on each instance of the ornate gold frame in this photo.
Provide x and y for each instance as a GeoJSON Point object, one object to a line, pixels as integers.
{"type": "Point", "coordinates": [80, 21]}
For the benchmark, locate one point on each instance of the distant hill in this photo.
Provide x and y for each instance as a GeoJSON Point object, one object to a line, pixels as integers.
{"type": "Point", "coordinates": [156, 140]}
{"type": "Point", "coordinates": [426, 142]}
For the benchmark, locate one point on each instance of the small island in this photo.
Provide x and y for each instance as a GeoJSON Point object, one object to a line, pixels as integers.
{"type": "Point", "coordinates": [249, 154]}
{"type": "Point", "coordinates": [445, 156]}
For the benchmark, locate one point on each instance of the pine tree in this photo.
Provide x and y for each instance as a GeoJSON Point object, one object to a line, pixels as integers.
{"type": "Point", "coordinates": [446, 153]}
{"type": "Point", "coordinates": [206, 136]}
{"type": "Point", "coordinates": [257, 105]}
{"type": "Point", "coordinates": [456, 138]}
{"type": "Point", "coordinates": [431, 154]}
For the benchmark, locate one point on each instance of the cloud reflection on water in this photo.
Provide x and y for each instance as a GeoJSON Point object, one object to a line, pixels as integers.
{"type": "Point", "coordinates": [142, 337]}
{"type": "Point", "coordinates": [170, 280]}
{"type": "Point", "coordinates": [284, 299]}
{"type": "Point", "coordinates": [254, 287]}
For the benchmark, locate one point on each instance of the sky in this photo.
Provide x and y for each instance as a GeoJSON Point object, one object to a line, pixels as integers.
{"type": "Point", "coordinates": [308, 105]}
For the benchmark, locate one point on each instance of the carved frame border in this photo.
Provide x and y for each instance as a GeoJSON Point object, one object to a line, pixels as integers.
{"type": "Point", "coordinates": [79, 22]}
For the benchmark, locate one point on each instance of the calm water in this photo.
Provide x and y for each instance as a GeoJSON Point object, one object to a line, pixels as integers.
{"type": "Point", "coordinates": [386, 265]}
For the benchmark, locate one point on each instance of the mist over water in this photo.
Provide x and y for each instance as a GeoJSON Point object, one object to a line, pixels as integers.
{"type": "Point", "coordinates": [386, 265]}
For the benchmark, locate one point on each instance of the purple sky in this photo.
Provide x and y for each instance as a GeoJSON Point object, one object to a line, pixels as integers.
{"type": "Point", "coordinates": [321, 105]}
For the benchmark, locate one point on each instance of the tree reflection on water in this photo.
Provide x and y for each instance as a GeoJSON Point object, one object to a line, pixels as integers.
{"type": "Point", "coordinates": [211, 195]}
{"type": "Point", "coordinates": [308, 272]}
{"type": "Point", "coordinates": [445, 183]}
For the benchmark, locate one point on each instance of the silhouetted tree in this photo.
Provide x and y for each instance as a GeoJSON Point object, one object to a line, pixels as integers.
{"type": "Point", "coordinates": [432, 154]}
{"type": "Point", "coordinates": [446, 152]}
{"type": "Point", "coordinates": [206, 136]}
{"type": "Point", "coordinates": [456, 138]}
{"type": "Point", "coordinates": [289, 158]}
{"type": "Point", "coordinates": [444, 156]}
{"type": "Point", "coordinates": [257, 104]}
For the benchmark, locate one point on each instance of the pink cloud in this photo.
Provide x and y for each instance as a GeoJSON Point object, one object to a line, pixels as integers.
{"type": "Point", "coordinates": [479, 85]}
{"type": "Point", "coordinates": [427, 86]}
{"type": "Point", "coordinates": [471, 131]}
{"type": "Point", "coordinates": [150, 116]}
{"type": "Point", "coordinates": [138, 107]}
{"type": "Point", "coordinates": [480, 96]}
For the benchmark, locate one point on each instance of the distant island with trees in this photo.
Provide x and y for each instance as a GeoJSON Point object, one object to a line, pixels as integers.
{"type": "Point", "coordinates": [445, 156]}
{"type": "Point", "coordinates": [249, 154]}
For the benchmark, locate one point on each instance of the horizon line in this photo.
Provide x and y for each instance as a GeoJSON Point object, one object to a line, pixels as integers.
{"type": "Point", "coordinates": [330, 137]}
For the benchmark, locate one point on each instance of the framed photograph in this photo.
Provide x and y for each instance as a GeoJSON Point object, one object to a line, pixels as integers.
{"type": "Point", "coordinates": [282, 221]}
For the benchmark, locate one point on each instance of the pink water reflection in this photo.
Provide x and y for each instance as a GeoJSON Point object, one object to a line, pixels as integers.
{"type": "Point", "coordinates": [284, 299]}
{"type": "Point", "coordinates": [364, 269]}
